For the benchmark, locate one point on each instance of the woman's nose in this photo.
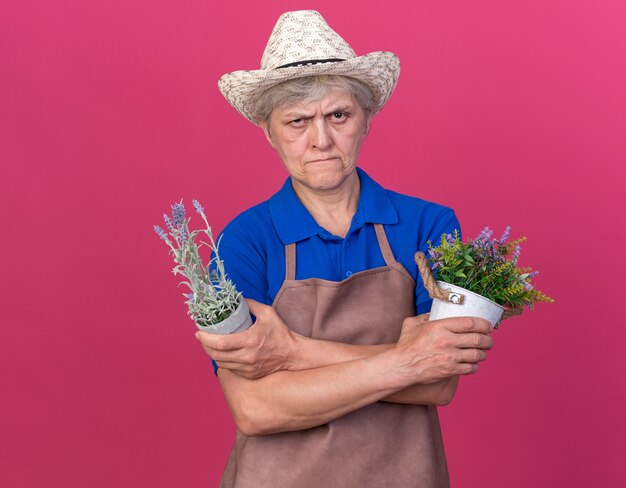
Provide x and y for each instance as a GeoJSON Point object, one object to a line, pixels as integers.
{"type": "Point", "coordinates": [320, 134]}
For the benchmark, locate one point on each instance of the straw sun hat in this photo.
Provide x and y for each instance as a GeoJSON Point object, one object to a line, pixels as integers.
{"type": "Point", "coordinates": [303, 44]}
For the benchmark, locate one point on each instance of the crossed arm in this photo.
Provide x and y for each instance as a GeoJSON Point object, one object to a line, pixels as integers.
{"type": "Point", "coordinates": [276, 381]}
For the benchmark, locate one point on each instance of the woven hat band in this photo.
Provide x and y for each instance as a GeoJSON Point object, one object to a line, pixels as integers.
{"type": "Point", "coordinates": [310, 62]}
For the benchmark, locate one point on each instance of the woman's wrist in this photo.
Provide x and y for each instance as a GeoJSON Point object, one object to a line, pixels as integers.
{"type": "Point", "coordinates": [399, 378]}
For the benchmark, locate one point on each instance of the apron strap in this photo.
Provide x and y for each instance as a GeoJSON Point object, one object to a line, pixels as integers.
{"type": "Point", "coordinates": [290, 261]}
{"type": "Point", "coordinates": [385, 248]}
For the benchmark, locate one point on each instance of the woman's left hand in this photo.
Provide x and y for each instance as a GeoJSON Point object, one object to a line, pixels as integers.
{"type": "Point", "coordinates": [266, 347]}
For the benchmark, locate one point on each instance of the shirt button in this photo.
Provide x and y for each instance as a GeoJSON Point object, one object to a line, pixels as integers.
{"type": "Point", "coordinates": [348, 273]}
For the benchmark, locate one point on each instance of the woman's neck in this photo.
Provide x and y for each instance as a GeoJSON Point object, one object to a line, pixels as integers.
{"type": "Point", "coordinates": [332, 209]}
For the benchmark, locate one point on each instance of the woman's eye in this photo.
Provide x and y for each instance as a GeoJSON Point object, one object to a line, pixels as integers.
{"type": "Point", "coordinates": [339, 116]}
{"type": "Point", "coordinates": [297, 122]}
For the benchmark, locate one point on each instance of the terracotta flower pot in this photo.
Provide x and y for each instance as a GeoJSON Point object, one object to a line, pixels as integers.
{"type": "Point", "coordinates": [238, 321]}
{"type": "Point", "coordinates": [473, 305]}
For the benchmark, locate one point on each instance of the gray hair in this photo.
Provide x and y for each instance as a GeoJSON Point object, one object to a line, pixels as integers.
{"type": "Point", "coordinates": [312, 88]}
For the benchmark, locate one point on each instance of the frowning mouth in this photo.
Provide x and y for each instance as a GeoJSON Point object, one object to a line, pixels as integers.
{"type": "Point", "coordinates": [321, 160]}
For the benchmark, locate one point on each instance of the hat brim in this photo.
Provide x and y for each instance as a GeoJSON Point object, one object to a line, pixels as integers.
{"type": "Point", "coordinates": [379, 70]}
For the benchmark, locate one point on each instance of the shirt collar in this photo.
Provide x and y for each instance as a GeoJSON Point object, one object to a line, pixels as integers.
{"type": "Point", "coordinates": [374, 202]}
{"type": "Point", "coordinates": [294, 223]}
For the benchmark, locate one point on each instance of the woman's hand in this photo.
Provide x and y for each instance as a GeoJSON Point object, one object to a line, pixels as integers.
{"type": "Point", "coordinates": [266, 347]}
{"type": "Point", "coordinates": [430, 351]}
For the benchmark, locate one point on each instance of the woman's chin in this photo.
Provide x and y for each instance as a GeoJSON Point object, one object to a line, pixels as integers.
{"type": "Point", "coordinates": [327, 179]}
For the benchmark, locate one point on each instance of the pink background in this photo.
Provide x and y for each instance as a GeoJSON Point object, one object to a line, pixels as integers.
{"type": "Point", "coordinates": [510, 112]}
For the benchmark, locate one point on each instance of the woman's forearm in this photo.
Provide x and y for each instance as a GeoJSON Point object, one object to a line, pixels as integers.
{"type": "Point", "coordinates": [296, 400]}
{"type": "Point", "coordinates": [314, 353]}
{"type": "Point", "coordinates": [426, 353]}
{"type": "Point", "coordinates": [310, 353]}
{"type": "Point", "coordinates": [270, 346]}
{"type": "Point", "coordinates": [440, 393]}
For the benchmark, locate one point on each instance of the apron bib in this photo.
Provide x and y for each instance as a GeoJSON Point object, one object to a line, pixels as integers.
{"type": "Point", "coordinates": [380, 445]}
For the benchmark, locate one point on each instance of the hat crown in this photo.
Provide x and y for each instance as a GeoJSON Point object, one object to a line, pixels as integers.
{"type": "Point", "coordinates": [300, 36]}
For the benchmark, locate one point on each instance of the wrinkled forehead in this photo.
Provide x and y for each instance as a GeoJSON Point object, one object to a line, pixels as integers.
{"type": "Point", "coordinates": [334, 99]}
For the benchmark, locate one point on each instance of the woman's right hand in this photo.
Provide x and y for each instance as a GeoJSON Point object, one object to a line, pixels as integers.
{"type": "Point", "coordinates": [429, 351]}
{"type": "Point", "coordinates": [266, 347]}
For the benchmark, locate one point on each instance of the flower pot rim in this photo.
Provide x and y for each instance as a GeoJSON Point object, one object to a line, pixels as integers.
{"type": "Point", "coordinates": [469, 292]}
{"type": "Point", "coordinates": [221, 327]}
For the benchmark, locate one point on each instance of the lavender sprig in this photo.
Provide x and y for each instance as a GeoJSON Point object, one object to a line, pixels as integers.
{"type": "Point", "coordinates": [168, 222]}
{"type": "Point", "coordinates": [505, 235]}
{"type": "Point", "coordinates": [213, 296]}
{"type": "Point", "coordinates": [160, 232]}
{"type": "Point", "coordinates": [198, 207]}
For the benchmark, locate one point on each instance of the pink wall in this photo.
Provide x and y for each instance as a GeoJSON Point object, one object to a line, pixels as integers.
{"type": "Point", "coordinates": [511, 112]}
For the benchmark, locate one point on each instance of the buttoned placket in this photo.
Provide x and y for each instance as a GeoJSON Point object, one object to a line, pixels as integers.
{"type": "Point", "coordinates": [347, 263]}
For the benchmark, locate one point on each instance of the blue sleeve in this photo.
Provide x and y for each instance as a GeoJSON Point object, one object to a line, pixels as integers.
{"type": "Point", "coordinates": [244, 261]}
{"type": "Point", "coordinates": [444, 222]}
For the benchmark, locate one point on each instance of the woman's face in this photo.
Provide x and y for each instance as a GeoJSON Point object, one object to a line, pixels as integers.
{"type": "Point", "coordinates": [319, 141]}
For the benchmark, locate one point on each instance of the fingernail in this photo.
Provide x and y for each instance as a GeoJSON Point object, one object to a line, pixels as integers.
{"type": "Point", "coordinates": [197, 334]}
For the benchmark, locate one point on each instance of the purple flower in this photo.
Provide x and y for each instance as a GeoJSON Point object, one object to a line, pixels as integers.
{"type": "Point", "coordinates": [160, 232]}
{"type": "Point", "coordinates": [178, 214]}
{"type": "Point", "coordinates": [485, 235]}
{"type": "Point", "coordinates": [198, 207]}
{"type": "Point", "coordinates": [168, 222]}
{"type": "Point", "coordinates": [492, 250]}
{"type": "Point", "coordinates": [184, 235]}
{"type": "Point", "coordinates": [505, 236]}
{"type": "Point", "coordinates": [483, 241]}
{"type": "Point", "coordinates": [434, 254]}
{"type": "Point", "coordinates": [516, 253]}
{"type": "Point", "coordinates": [450, 239]}
{"type": "Point", "coordinates": [527, 285]}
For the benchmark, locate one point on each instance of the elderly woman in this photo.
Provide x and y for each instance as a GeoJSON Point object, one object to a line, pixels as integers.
{"type": "Point", "coordinates": [337, 382]}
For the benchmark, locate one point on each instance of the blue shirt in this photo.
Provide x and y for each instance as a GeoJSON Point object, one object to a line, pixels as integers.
{"type": "Point", "coordinates": [253, 244]}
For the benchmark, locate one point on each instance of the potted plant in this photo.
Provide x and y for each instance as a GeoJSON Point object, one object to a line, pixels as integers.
{"type": "Point", "coordinates": [480, 278]}
{"type": "Point", "coordinates": [214, 303]}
